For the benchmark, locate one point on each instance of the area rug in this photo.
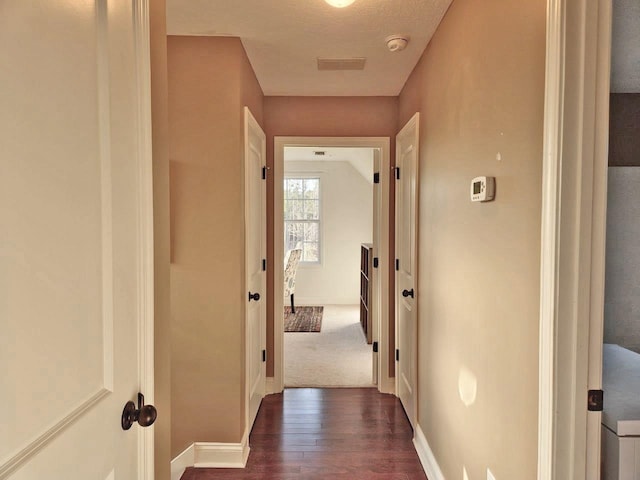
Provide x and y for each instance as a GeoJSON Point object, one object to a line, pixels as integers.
{"type": "Point", "coordinates": [306, 319]}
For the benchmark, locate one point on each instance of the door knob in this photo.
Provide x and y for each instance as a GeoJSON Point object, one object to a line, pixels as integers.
{"type": "Point", "coordinates": [254, 296]}
{"type": "Point", "coordinates": [145, 415]}
{"type": "Point", "coordinates": [407, 293]}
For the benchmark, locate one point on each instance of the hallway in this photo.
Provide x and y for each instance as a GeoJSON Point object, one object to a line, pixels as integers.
{"type": "Point", "coordinates": [348, 433]}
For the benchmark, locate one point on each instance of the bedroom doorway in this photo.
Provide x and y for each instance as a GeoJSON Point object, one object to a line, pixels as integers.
{"type": "Point", "coordinates": [326, 205]}
{"type": "Point", "coordinates": [328, 215]}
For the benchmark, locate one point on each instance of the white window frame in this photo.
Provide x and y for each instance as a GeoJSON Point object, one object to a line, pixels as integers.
{"type": "Point", "coordinates": [306, 176]}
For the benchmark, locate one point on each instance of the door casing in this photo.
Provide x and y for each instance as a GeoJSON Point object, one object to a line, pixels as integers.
{"type": "Point", "coordinates": [573, 236]}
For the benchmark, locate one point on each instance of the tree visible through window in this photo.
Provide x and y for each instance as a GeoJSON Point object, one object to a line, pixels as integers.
{"type": "Point", "coordinates": [302, 217]}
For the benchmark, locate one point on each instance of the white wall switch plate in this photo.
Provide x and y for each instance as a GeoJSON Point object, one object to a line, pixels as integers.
{"type": "Point", "coordinates": [490, 475]}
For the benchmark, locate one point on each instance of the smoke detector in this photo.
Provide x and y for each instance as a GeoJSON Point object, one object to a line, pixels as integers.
{"type": "Point", "coordinates": [397, 43]}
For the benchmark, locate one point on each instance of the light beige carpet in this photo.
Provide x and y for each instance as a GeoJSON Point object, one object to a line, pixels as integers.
{"type": "Point", "coordinates": [337, 356]}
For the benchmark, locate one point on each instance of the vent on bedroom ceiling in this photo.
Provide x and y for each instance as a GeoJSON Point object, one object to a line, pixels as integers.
{"type": "Point", "coordinates": [356, 63]}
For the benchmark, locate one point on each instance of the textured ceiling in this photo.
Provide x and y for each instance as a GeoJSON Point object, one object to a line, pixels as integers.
{"type": "Point", "coordinates": [284, 39]}
{"type": "Point", "coordinates": [625, 48]}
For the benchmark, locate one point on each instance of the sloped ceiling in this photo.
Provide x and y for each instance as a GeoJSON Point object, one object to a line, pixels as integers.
{"type": "Point", "coordinates": [284, 39]}
{"type": "Point", "coordinates": [361, 159]}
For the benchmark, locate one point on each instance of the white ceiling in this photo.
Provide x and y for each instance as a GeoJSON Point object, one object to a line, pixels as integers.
{"type": "Point", "coordinates": [625, 48]}
{"type": "Point", "coordinates": [284, 38]}
{"type": "Point", "coordinates": [360, 158]}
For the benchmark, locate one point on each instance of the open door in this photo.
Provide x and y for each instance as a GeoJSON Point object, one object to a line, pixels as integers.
{"type": "Point", "coordinates": [255, 260]}
{"type": "Point", "coordinates": [76, 248]}
{"type": "Point", "coordinates": [406, 294]}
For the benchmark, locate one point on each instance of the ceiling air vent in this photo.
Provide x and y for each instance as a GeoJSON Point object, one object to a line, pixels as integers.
{"type": "Point", "coordinates": [341, 63]}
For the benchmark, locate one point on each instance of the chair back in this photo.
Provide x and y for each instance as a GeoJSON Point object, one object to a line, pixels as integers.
{"type": "Point", "coordinates": [291, 261]}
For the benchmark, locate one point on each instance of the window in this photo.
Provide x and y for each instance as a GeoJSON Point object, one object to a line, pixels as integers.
{"type": "Point", "coordinates": [302, 217]}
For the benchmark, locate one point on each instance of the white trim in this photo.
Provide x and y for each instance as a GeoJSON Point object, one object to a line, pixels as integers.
{"type": "Point", "coordinates": [573, 223]}
{"type": "Point", "coordinates": [179, 464]}
{"type": "Point", "coordinates": [221, 455]}
{"type": "Point", "coordinates": [427, 458]}
{"type": "Point", "coordinates": [385, 383]}
{"type": "Point", "coordinates": [302, 301]}
{"type": "Point", "coordinates": [552, 154]}
{"type": "Point", "coordinates": [145, 230]}
{"type": "Point", "coordinates": [211, 455]}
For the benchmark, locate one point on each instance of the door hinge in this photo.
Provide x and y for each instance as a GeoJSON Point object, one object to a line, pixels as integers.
{"type": "Point", "coordinates": [264, 355]}
{"type": "Point", "coordinates": [595, 400]}
{"type": "Point", "coordinates": [397, 355]}
{"type": "Point", "coordinates": [376, 262]}
{"type": "Point", "coordinates": [264, 264]}
{"type": "Point", "coordinates": [376, 177]}
{"type": "Point", "coordinates": [397, 264]}
{"type": "Point", "coordinates": [397, 169]}
{"type": "Point", "coordinates": [264, 172]}
{"type": "Point", "coordinates": [375, 347]}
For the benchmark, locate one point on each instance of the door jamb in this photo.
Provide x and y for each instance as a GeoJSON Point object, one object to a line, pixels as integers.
{"type": "Point", "coordinates": [573, 236]}
{"type": "Point", "coordinates": [385, 382]}
{"type": "Point", "coordinates": [145, 250]}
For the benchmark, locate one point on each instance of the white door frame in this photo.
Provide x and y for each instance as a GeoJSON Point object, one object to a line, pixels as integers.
{"type": "Point", "coordinates": [146, 257]}
{"type": "Point", "coordinates": [381, 324]}
{"type": "Point", "coordinates": [573, 236]}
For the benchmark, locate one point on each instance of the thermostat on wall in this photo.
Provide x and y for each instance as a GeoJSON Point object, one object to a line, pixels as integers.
{"type": "Point", "coordinates": [483, 189]}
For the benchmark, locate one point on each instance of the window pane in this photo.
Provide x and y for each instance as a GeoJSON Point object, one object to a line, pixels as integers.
{"type": "Point", "coordinates": [311, 252]}
{"type": "Point", "coordinates": [293, 235]}
{"type": "Point", "coordinates": [311, 188]}
{"type": "Point", "coordinates": [311, 210]}
{"type": "Point", "coordinates": [302, 217]}
{"type": "Point", "coordinates": [311, 232]}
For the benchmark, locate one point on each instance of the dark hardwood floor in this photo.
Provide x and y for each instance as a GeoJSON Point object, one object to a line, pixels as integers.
{"type": "Point", "coordinates": [340, 433]}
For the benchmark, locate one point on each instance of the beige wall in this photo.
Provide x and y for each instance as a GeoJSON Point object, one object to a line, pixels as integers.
{"type": "Point", "coordinates": [162, 314]}
{"type": "Point", "coordinates": [324, 117]}
{"type": "Point", "coordinates": [209, 83]}
{"type": "Point", "coordinates": [479, 87]}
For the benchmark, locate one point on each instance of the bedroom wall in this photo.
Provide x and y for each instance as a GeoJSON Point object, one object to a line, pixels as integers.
{"type": "Point", "coordinates": [480, 88]}
{"type": "Point", "coordinates": [210, 81]}
{"type": "Point", "coordinates": [346, 222]}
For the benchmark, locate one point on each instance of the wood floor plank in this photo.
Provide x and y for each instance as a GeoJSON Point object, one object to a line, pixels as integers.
{"type": "Point", "coordinates": [340, 433]}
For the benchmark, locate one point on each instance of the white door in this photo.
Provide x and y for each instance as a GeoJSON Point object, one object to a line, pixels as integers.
{"type": "Point", "coordinates": [406, 266]}
{"type": "Point", "coordinates": [255, 258]}
{"type": "Point", "coordinates": [75, 218]}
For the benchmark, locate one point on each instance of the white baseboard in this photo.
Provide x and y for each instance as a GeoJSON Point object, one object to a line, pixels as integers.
{"type": "Point", "coordinates": [428, 460]}
{"type": "Point", "coordinates": [311, 301]}
{"type": "Point", "coordinates": [221, 455]}
{"type": "Point", "coordinates": [181, 462]}
{"type": "Point", "coordinates": [211, 455]}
